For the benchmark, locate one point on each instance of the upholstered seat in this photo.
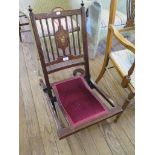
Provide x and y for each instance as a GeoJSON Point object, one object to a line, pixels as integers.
{"type": "Point", "coordinates": [78, 102]}
{"type": "Point", "coordinates": [124, 59]}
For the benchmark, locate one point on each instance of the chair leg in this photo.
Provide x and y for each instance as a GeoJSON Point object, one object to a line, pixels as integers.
{"type": "Point", "coordinates": [103, 69]}
{"type": "Point", "coordinates": [126, 103]}
{"type": "Point", "coordinates": [20, 35]}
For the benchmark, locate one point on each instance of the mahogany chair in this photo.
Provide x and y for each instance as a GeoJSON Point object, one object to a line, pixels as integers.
{"type": "Point", "coordinates": [74, 98]}
{"type": "Point", "coordinates": [122, 60]}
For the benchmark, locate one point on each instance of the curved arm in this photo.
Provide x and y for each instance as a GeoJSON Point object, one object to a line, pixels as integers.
{"type": "Point", "coordinates": [121, 39]}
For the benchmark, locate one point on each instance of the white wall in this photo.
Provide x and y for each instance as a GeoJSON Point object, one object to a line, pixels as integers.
{"type": "Point", "coordinates": [121, 4]}
{"type": "Point", "coordinates": [47, 5]}
{"type": "Point", "coordinates": [43, 5]}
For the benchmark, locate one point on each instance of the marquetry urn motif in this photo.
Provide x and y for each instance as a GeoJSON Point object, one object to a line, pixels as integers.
{"type": "Point", "coordinates": [62, 38]}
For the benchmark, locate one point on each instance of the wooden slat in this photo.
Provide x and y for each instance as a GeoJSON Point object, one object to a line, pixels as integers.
{"type": "Point", "coordinates": [68, 37]}
{"type": "Point", "coordinates": [73, 35]}
{"type": "Point", "coordinates": [77, 24]}
{"type": "Point", "coordinates": [49, 36]}
{"type": "Point", "coordinates": [45, 42]}
{"type": "Point", "coordinates": [54, 37]}
{"type": "Point", "coordinates": [59, 20]}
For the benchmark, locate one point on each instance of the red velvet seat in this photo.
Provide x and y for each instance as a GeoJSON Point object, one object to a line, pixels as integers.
{"type": "Point", "coordinates": [79, 104]}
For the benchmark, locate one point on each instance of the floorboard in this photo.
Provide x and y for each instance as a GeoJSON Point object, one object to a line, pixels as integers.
{"type": "Point", "coordinates": [24, 144]}
{"type": "Point", "coordinates": [34, 136]}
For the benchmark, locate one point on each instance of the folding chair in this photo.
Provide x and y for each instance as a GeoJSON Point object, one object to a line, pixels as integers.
{"type": "Point", "coordinates": [77, 98]}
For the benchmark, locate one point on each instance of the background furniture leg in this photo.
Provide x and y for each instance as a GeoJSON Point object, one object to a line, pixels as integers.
{"type": "Point", "coordinates": [20, 35]}
{"type": "Point", "coordinates": [126, 103]}
{"type": "Point", "coordinates": [103, 69]}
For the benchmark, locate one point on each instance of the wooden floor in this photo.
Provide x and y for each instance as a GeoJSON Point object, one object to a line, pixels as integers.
{"type": "Point", "coordinates": [37, 129]}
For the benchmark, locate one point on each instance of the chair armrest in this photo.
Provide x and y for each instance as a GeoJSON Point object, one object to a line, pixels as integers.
{"type": "Point", "coordinates": [121, 39]}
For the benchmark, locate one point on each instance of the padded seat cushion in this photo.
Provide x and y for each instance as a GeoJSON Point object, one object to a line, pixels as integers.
{"type": "Point", "coordinates": [78, 101]}
{"type": "Point", "coordinates": [124, 59]}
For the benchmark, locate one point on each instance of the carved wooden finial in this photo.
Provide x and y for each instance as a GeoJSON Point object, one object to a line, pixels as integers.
{"type": "Point", "coordinates": [30, 9]}
{"type": "Point", "coordinates": [82, 4]}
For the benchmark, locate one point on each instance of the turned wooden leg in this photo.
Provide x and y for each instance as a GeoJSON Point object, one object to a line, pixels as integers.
{"type": "Point", "coordinates": [126, 103]}
{"type": "Point", "coordinates": [103, 69]}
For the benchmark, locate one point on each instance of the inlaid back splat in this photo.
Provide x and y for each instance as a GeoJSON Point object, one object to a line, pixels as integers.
{"type": "Point", "coordinates": [62, 39]}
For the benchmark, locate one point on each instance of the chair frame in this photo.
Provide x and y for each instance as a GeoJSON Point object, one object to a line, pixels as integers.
{"type": "Point", "coordinates": [47, 86]}
{"type": "Point", "coordinates": [116, 33]}
{"type": "Point", "coordinates": [22, 25]}
{"type": "Point", "coordinates": [130, 9]}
